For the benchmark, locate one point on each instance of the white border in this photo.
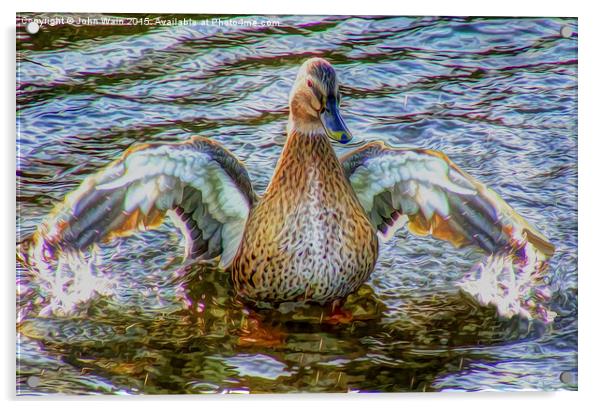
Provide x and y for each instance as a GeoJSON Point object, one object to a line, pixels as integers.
{"type": "Point", "coordinates": [590, 229]}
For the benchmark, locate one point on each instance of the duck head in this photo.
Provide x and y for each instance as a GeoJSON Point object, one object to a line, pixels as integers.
{"type": "Point", "coordinates": [314, 102]}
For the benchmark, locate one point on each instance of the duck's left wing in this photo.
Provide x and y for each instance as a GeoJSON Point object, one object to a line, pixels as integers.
{"type": "Point", "coordinates": [200, 183]}
{"type": "Point", "coordinates": [435, 197]}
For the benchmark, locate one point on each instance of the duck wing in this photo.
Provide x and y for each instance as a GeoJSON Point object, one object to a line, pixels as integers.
{"type": "Point", "coordinates": [437, 198]}
{"type": "Point", "coordinates": [201, 184]}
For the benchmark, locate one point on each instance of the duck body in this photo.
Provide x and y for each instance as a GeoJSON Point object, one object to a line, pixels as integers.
{"type": "Point", "coordinates": [308, 238]}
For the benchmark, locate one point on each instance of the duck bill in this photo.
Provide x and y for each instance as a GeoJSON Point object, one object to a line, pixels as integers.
{"type": "Point", "coordinates": [333, 123]}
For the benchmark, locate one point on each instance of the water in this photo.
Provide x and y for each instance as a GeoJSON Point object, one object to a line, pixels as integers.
{"type": "Point", "coordinates": [499, 96]}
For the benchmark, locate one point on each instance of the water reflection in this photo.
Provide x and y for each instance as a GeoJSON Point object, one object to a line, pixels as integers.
{"type": "Point", "coordinates": [229, 346]}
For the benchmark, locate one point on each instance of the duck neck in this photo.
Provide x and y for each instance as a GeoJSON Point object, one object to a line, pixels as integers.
{"type": "Point", "coordinates": [307, 158]}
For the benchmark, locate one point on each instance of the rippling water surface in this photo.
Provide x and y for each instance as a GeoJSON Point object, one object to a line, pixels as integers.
{"type": "Point", "coordinates": [499, 96]}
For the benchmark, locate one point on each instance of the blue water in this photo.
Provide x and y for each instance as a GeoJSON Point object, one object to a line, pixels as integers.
{"type": "Point", "coordinates": [498, 96]}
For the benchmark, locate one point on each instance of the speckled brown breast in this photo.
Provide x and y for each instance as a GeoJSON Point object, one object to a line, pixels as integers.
{"type": "Point", "coordinates": [308, 238]}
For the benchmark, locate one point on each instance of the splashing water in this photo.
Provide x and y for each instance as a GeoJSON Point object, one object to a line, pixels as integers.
{"type": "Point", "coordinates": [67, 279]}
{"type": "Point", "coordinates": [514, 288]}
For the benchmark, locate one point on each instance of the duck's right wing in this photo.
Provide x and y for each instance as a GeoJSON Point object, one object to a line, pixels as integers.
{"type": "Point", "coordinates": [434, 197]}
{"type": "Point", "coordinates": [437, 198]}
{"type": "Point", "coordinates": [204, 186]}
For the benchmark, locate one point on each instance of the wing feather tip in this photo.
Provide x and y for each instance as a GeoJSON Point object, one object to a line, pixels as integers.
{"type": "Point", "coordinates": [540, 242]}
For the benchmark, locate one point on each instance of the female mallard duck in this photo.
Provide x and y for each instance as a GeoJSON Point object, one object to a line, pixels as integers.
{"type": "Point", "coordinates": [313, 235]}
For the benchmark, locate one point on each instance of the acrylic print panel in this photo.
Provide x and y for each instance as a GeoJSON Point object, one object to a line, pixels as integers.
{"type": "Point", "coordinates": [211, 204]}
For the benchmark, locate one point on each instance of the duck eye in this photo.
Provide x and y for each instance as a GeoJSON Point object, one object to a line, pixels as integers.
{"type": "Point", "coordinates": [310, 83]}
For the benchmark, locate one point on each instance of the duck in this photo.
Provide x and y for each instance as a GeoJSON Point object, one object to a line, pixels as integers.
{"type": "Point", "coordinates": [314, 234]}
